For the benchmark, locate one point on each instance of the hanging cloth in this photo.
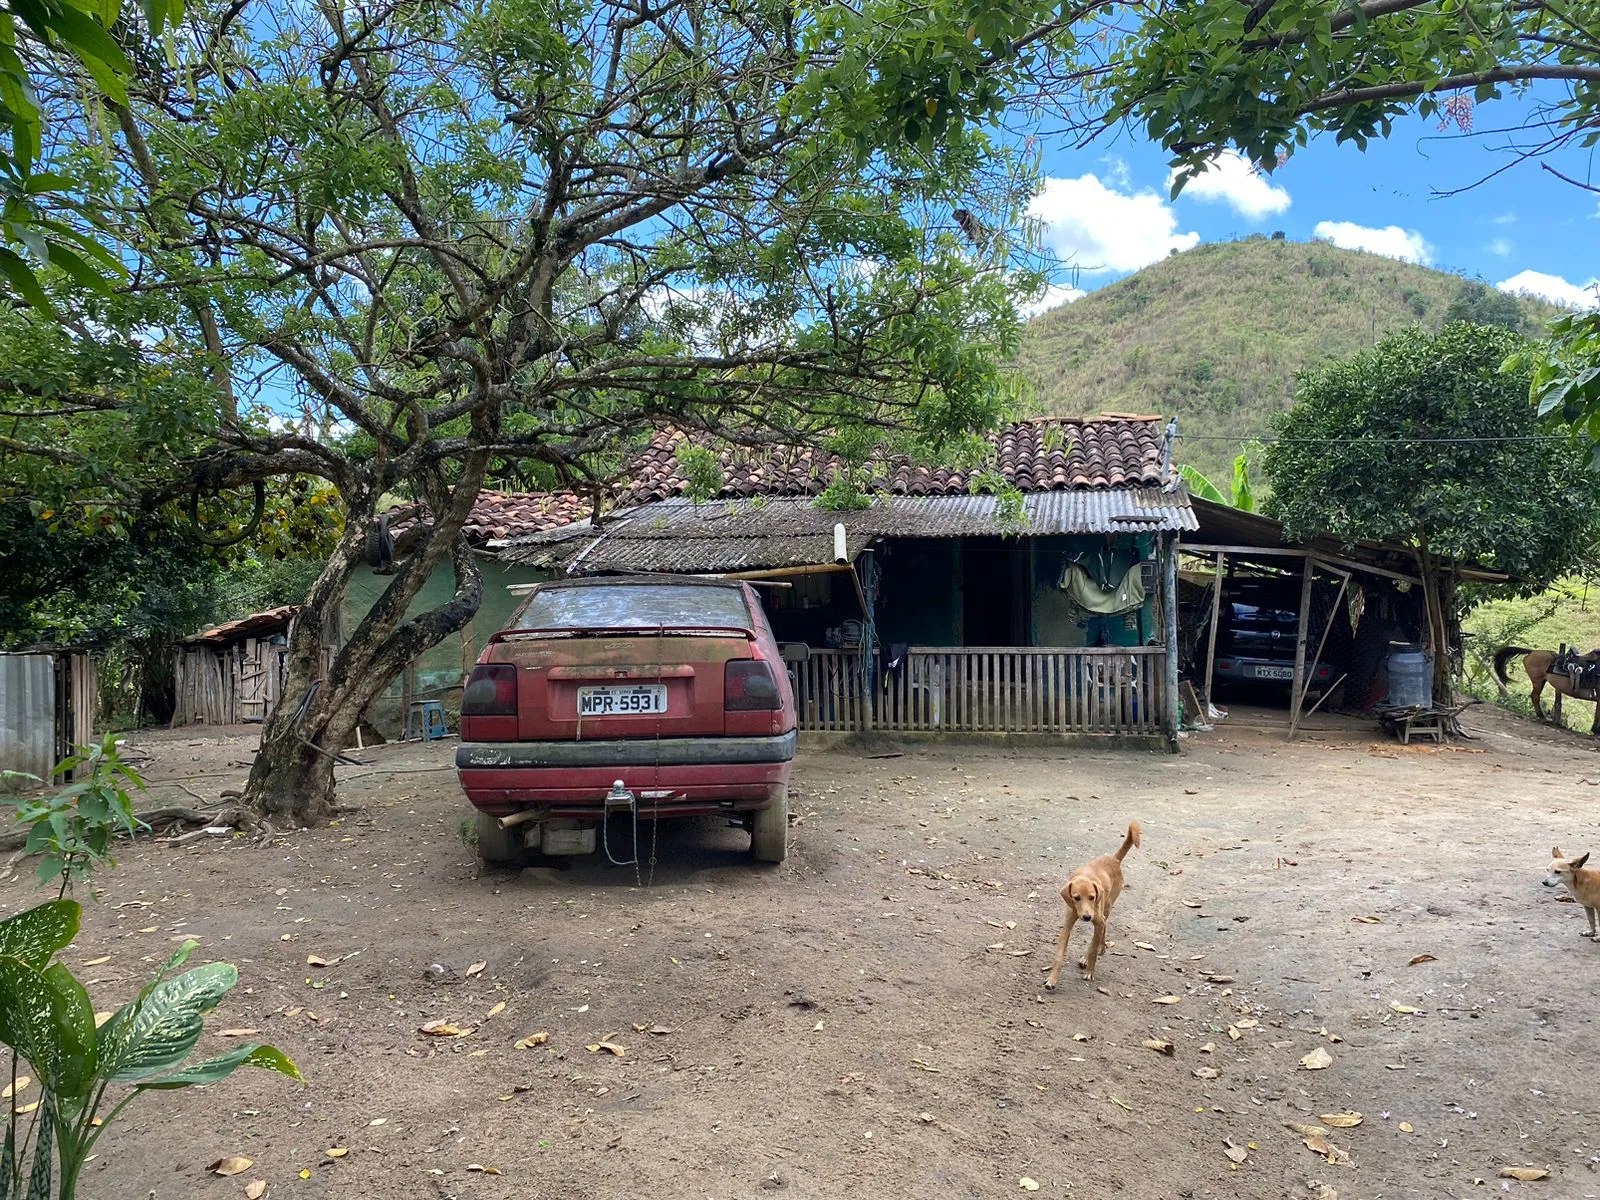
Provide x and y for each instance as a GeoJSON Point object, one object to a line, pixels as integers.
{"type": "Point", "coordinates": [1087, 594]}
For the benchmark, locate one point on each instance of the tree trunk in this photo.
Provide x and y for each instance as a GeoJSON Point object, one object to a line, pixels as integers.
{"type": "Point", "coordinates": [1438, 634]}
{"type": "Point", "coordinates": [291, 781]}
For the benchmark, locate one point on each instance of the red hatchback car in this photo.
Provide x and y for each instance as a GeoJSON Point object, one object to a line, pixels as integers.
{"type": "Point", "coordinates": [654, 696]}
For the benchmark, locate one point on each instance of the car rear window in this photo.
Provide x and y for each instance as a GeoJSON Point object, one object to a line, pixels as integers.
{"type": "Point", "coordinates": [635, 605]}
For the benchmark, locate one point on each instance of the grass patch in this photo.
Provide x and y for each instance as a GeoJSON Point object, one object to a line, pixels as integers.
{"type": "Point", "coordinates": [1568, 611]}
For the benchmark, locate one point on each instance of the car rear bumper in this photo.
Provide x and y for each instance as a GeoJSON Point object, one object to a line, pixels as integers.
{"type": "Point", "coordinates": [1264, 671]}
{"type": "Point", "coordinates": [670, 777]}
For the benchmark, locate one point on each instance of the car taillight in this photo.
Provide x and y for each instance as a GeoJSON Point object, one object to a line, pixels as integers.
{"type": "Point", "coordinates": [748, 686]}
{"type": "Point", "coordinates": [491, 691]}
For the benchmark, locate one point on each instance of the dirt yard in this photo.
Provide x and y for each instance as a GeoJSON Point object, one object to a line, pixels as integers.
{"type": "Point", "coordinates": [870, 1019]}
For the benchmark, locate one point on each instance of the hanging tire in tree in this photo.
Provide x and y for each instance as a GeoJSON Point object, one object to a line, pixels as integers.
{"type": "Point", "coordinates": [229, 539]}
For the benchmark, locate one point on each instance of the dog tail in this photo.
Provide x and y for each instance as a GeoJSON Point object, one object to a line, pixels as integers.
{"type": "Point", "coordinates": [1129, 842]}
{"type": "Point", "coordinates": [1503, 656]}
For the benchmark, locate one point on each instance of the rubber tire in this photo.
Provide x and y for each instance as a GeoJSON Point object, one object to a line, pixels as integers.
{"type": "Point", "coordinates": [499, 847]}
{"type": "Point", "coordinates": [769, 828]}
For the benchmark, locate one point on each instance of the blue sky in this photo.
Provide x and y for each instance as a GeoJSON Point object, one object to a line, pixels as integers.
{"type": "Point", "coordinates": [1105, 208]}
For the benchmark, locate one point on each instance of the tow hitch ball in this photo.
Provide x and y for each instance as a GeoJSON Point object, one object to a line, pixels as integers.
{"type": "Point", "coordinates": [619, 798]}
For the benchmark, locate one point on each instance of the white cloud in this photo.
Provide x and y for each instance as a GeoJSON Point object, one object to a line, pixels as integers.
{"type": "Point", "coordinates": [1501, 247]}
{"type": "Point", "coordinates": [1391, 241]}
{"type": "Point", "coordinates": [1233, 180]}
{"type": "Point", "coordinates": [1054, 296]}
{"type": "Point", "coordinates": [1118, 173]}
{"type": "Point", "coordinates": [1553, 288]}
{"type": "Point", "coordinates": [1099, 229]}
{"type": "Point", "coordinates": [1505, 218]}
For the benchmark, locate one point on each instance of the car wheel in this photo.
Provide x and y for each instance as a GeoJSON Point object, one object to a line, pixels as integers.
{"type": "Point", "coordinates": [769, 831]}
{"type": "Point", "coordinates": [499, 847]}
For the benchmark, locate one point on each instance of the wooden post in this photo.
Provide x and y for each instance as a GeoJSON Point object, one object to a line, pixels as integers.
{"type": "Point", "coordinates": [1216, 617]}
{"type": "Point", "coordinates": [1169, 620]}
{"type": "Point", "coordinates": [1297, 690]}
{"type": "Point", "coordinates": [1333, 615]}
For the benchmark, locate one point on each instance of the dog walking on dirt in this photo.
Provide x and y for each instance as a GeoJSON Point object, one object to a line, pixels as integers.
{"type": "Point", "coordinates": [1583, 882]}
{"type": "Point", "coordinates": [1089, 896]}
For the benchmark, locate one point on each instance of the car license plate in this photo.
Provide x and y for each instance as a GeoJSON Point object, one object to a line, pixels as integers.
{"type": "Point", "coordinates": [1274, 672]}
{"type": "Point", "coordinates": [642, 699]}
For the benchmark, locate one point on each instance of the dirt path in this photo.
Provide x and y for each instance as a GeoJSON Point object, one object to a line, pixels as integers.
{"type": "Point", "coordinates": [869, 1020]}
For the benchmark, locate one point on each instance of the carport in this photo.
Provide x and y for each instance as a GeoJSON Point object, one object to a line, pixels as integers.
{"type": "Point", "coordinates": [1228, 537]}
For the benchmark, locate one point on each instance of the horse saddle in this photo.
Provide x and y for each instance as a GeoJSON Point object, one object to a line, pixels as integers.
{"type": "Point", "coordinates": [1582, 669]}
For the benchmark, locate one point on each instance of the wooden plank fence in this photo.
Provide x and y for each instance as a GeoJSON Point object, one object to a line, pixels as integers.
{"type": "Point", "coordinates": [983, 689]}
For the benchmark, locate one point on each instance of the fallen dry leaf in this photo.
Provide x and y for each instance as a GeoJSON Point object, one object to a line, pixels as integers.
{"type": "Point", "coordinates": [1306, 1130]}
{"type": "Point", "coordinates": [1209, 1048]}
{"type": "Point", "coordinates": [255, 1189]}
{"type": "Point", "coordinates": [534, 1039]}
{"type": "Point", "coordinates": [659, 1030]}
{"type": "Point", "coordinates": [1421, 958]}
{"type": "Point", "coordinates": [1144, 945]}
{"type": "Point", "coordinates": [1080, 1037]}
{"type": "Point", "coordinates": [483, 1170]}
{"type": "Point", "coordinates": [1028, 1185]}
{"type": "Point", "coordinates": [476, 967]}
{"type": "Point", "coordinates": [12, 1089]}
{"type": "Point", "coordinates": [1319, 1059]}
{"type": "Point", "coordinates": [316, 960]}
{"type": "Point", "coordinates": [610, 1047]}
{"type": "Point", "coordinates": [1206, 1073]}
{"type": "Point", "coordinates": [1234, 1034]}
{"type": "Point", "coordinates": [1367, 920]}
{"type": "Point", "coordinates": [377, 1121]}
{"type": "Point", "coordinates": [1406, 1127]}
{"type": "Point", "coordinates": [231, 1165]}
{"type": "Point", "coordinates": [1235, 1153]}
{"type": "Point", "coordinates": [1166, 1000]}
{"type": "Point", "coordinates": [98, 962]}
{"type": "Point", "coordinates": [305, 1172]}
{"type": "Point", "coordinates": [1406, 1009]}
{"type": "Point", "coordinates": [496, 1010]}
{"type": "Point", "coordinates": [236, 1032]}
{"type": "Point", "coordinates": [1247, 1023]}
{"type": "Point", "coordinates": [443, 1029]}
{"type": "Point", "coordinates": [337, 1151]}
{"type": "Point", "coordinates": [1159, 1046]}
{"type": "Point", "coordinates": [1343, 1120]}
{"type": "Point", "coordinates": [1526, 1174]}
{"type": "Point", "coordinates": [1191, 904]}
{"type": "Point", "coordinates": [23, 1110]}
{"type": "Point", "coordinates": [1219, 978]}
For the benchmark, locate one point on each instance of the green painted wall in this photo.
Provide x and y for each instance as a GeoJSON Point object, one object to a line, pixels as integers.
{"type": "Point", "coordinates": [439, 671]}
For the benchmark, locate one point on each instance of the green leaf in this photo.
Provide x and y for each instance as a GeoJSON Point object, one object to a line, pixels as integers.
{"type": "Point", "coordinates": [77, 1051]}
{"type": "Point", "coordinates": [1200, 486]}
{"type": "Point", "coordinates": [28, 1016]}
{"type": "Point", "coordinates": [156, 1031]}
{"type": "Point", "coordinates": [39, 1181]}
{"type": "Point", "coordinates": [88, 38]}
{"type": "Point", "coordinates": [24, 281]}
{"type": "Point", "coordinates": [8, 1156]}
{"type": "Point", "coordinates": [37, 933]}
{"type": "Point", "coordinates": [213, 1069]}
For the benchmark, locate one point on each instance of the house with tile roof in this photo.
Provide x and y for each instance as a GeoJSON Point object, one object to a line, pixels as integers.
{"type": "Point", "coordinates": [930, 602]}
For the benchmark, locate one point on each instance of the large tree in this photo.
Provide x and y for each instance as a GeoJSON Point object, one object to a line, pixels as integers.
{"type": "Point", "coordinates": [481, 236]}
{"type": "Point", "coordinates": [1427, 441]}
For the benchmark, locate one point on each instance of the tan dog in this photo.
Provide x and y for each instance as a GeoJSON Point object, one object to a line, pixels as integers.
{"type": "Point", "coordinates": [1089, 896]}
{"type": "Point", "coordinates": [1582, 882]}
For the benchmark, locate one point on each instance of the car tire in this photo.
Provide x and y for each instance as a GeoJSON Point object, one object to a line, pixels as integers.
{"type": "Point", "coordinates": [499, 847]}
{"type": "Point", "coordinates": [769, 830]}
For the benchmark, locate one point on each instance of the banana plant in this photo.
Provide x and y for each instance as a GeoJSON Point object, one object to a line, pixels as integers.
{"type": "Point", "coordinates": [49, 1024]}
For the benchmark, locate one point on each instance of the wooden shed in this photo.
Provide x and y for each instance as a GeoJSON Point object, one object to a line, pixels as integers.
{"type": "Point", "coordinates": [233, 673]}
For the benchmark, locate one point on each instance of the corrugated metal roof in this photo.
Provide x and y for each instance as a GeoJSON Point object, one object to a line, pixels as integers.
{"type": "Point", "coordinates": [741, 535]}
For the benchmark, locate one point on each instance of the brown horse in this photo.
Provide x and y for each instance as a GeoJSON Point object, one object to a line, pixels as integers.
{"type": "Point", "coordinates": [1538, 664]}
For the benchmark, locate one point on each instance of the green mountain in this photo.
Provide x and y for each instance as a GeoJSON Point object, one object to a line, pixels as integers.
{"type": "Point", "coordinates": [1217, 334]}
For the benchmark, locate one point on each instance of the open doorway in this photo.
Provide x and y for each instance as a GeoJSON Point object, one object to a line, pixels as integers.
{"type": "Point", "coordinates": [996, 599]}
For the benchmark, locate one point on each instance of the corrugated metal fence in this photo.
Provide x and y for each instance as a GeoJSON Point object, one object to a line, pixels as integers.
{"type": "Point", "coordinates": [48, 703]}
{"type": "Point", "coordinates": [1000, 689]}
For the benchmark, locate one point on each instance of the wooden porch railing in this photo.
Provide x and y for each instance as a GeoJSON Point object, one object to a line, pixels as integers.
{"type": "Point", "coordinates": [1105, 690]}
